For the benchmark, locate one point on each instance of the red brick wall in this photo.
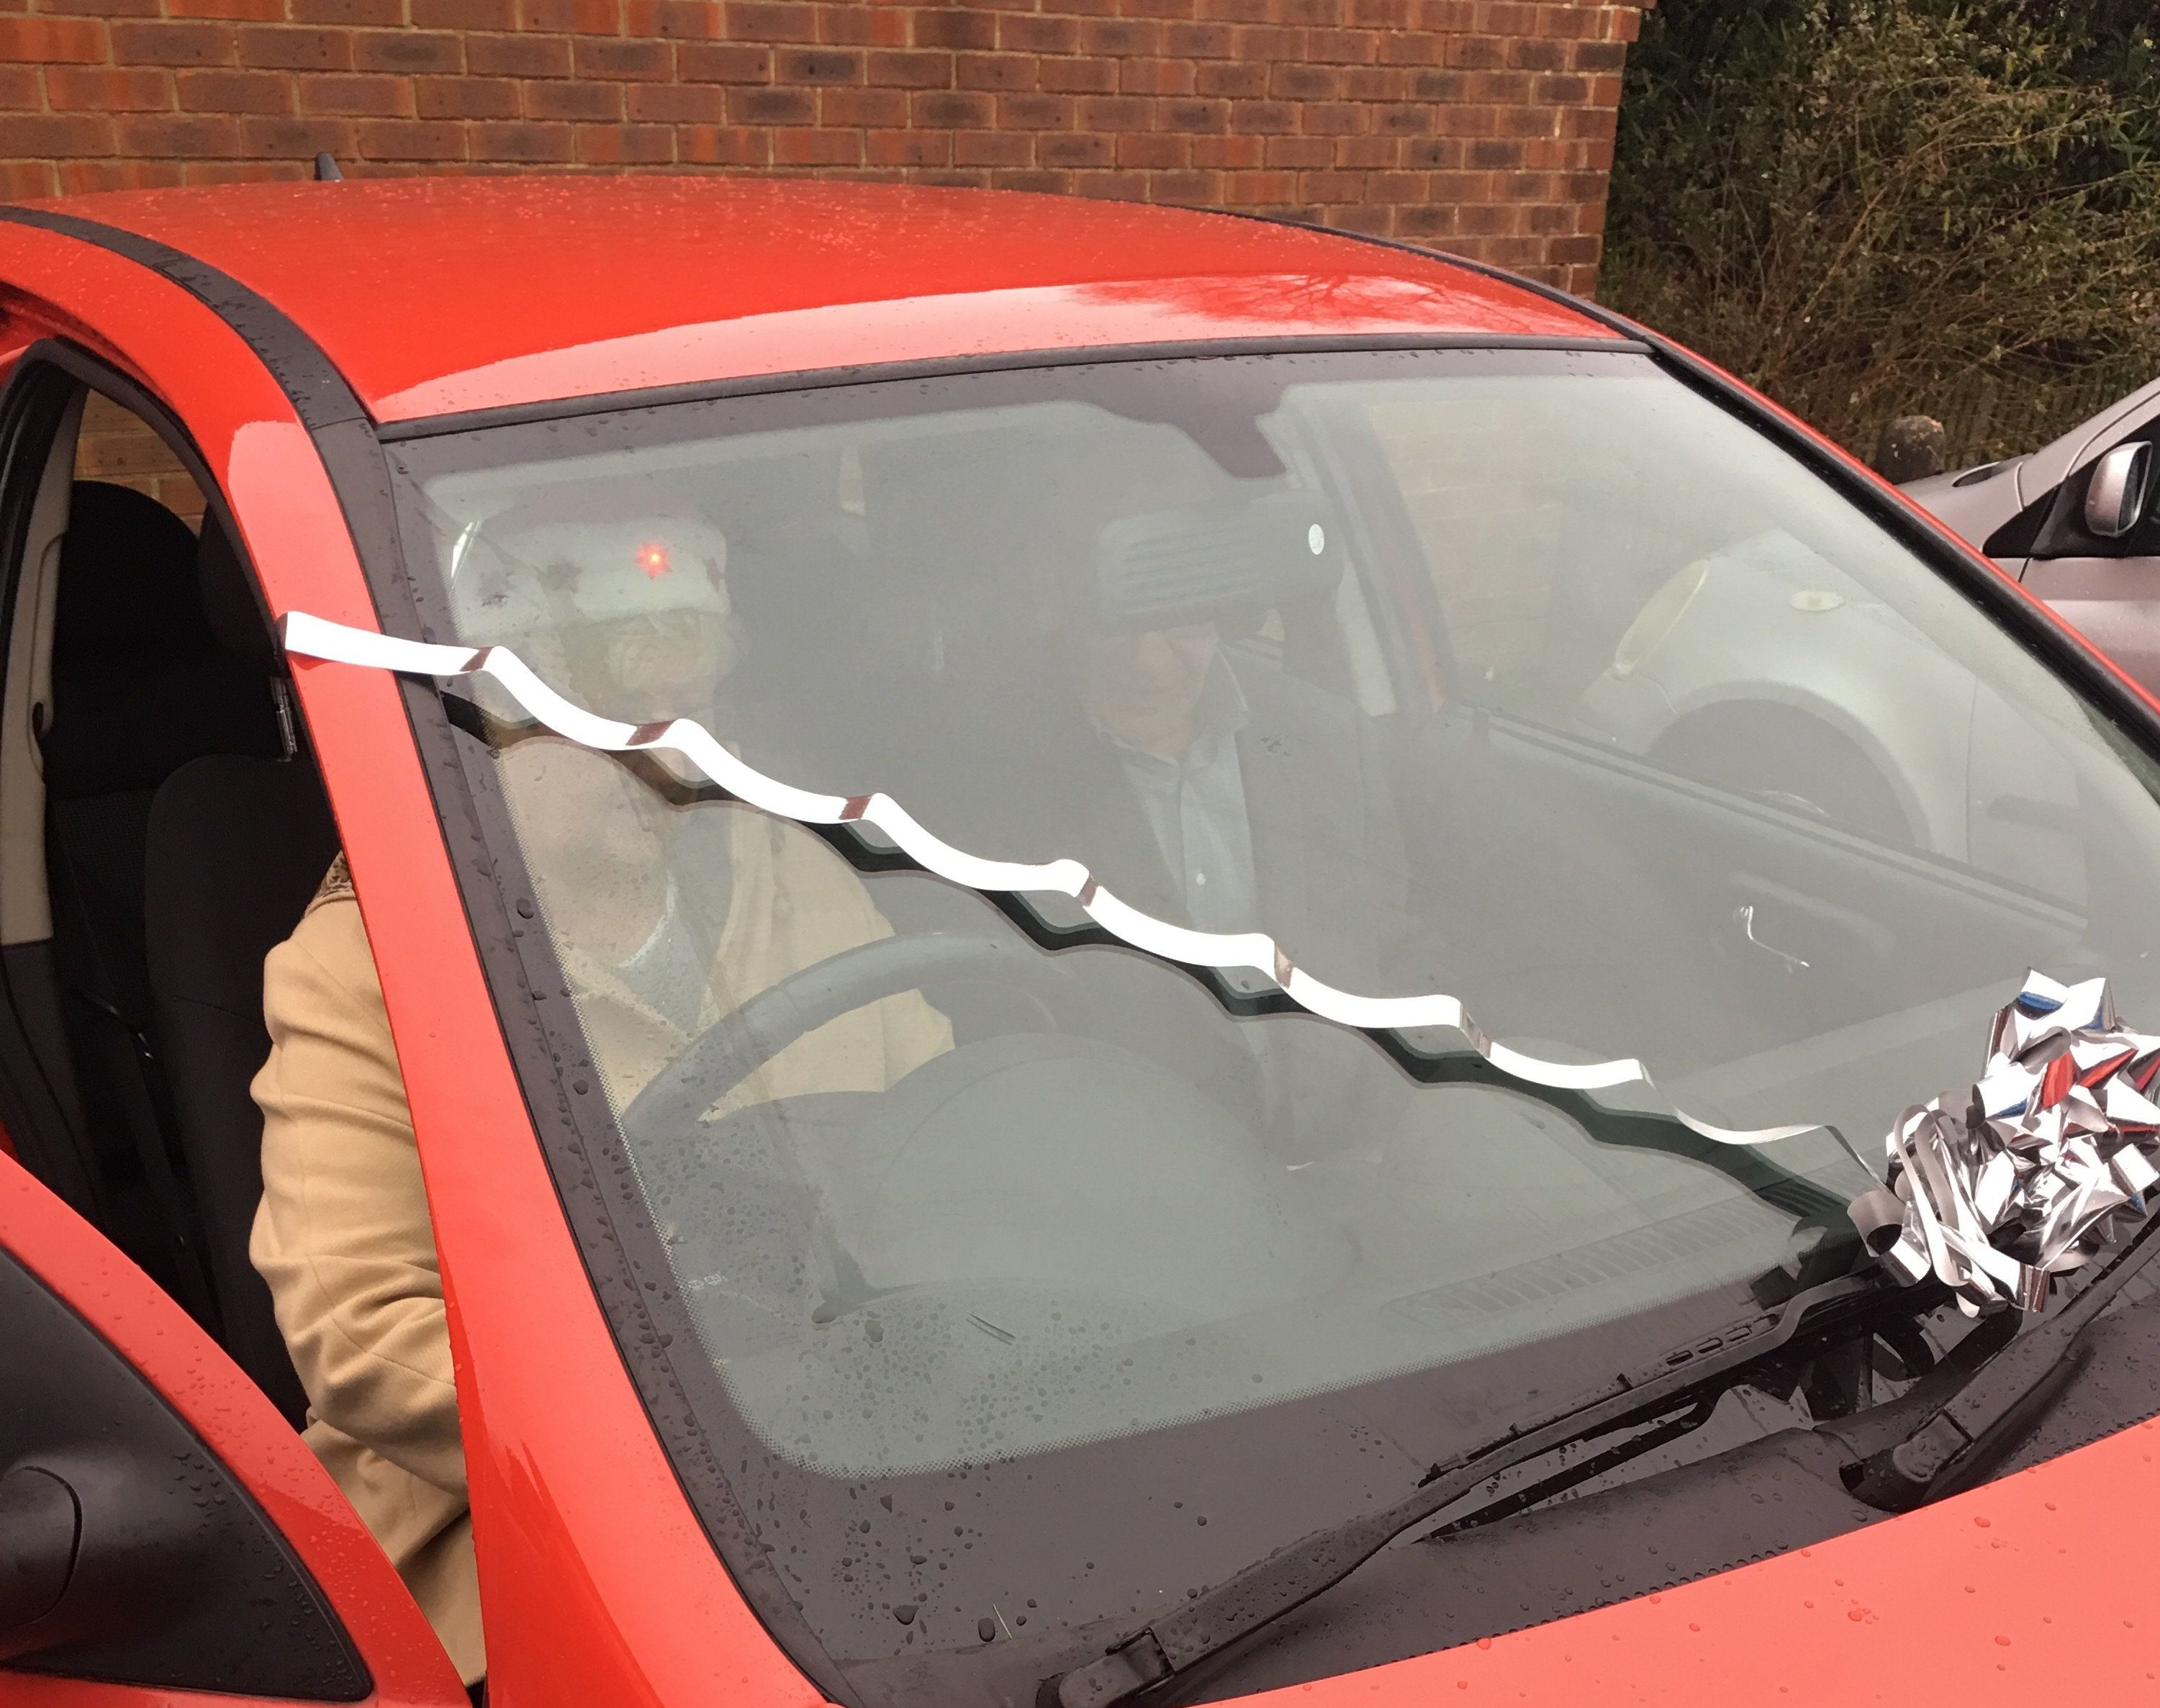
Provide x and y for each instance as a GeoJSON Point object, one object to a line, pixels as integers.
{"type": "Point", "coordinates": [118, 446]}
{"type": "Point", "coordinates": [1484, 125]}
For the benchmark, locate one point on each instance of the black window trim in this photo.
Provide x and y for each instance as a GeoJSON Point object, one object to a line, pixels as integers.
{"type": "Point", "coordinates": [995, 361]}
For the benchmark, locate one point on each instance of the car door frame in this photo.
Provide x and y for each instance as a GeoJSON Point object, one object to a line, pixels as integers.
{"type": "Point", "coordinates": [598, 1581]}
{"type": "Point", "coordinates": [173, 1356]}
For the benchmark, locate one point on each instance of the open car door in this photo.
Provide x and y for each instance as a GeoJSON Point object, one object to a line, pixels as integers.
{"type": "Point", "coordinates": [162, 1528]}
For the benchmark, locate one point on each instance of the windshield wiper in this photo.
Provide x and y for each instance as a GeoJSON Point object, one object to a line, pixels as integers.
{"type": "Point", "coordinates": [1928, 1443]}
{"type": "Point", "coordinates": [1942, 1436]}
{"type": "Point", "coordinates": [1287, 1579]}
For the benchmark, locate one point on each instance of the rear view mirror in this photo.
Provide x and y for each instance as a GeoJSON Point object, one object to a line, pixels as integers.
{"type": "Point", "coordinates": [2115, 497]}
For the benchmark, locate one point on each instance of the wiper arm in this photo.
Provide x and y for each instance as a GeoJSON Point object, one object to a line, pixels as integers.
{"type": "Point", "coordinates": [1941, 1437]}
{"type": "Point", "coordinates": [1287, 1579]}
{"type": "Point", "coordinates": [1925, 1444]}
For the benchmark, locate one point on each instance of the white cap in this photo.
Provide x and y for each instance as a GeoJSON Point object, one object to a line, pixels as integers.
{"type": "Point", "coordinates": [547, 575]}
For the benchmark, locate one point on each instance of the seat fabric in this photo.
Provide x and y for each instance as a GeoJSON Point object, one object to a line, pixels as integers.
{"type": "Point", "coordinates": [238, 846]}
{"type": "Point", "coordinates": [139, 687]}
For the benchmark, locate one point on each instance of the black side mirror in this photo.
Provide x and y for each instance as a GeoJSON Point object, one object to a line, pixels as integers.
{"type": "Point", "coordinates": [40, 1528]}
{"type": "Point", "coordinates": [2117, 495]}
{"type": "Point", "coordinates": [87, 1541]}
{"type": "Point", "coordinates": [128, 1553]}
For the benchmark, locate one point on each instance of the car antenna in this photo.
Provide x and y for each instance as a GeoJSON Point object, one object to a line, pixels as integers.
{"type": "Point", "coordinates": [326, 170]}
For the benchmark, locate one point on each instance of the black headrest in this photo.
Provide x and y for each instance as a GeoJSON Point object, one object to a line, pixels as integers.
{"type": "Point", "coordinates": [230, 602]}
{"type": "Point", "coordinates": [127, 576]}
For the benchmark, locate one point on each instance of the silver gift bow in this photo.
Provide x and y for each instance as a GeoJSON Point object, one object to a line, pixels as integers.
{"type": "Point", "coordinates": [2034, 1170]}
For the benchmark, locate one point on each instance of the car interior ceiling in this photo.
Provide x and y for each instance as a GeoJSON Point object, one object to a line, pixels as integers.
{"type": "Point", "coordinates": [185, 831]}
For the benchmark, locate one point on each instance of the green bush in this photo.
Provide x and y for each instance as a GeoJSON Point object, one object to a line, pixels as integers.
{"type": "Point", "coordinates": [1872, 207]}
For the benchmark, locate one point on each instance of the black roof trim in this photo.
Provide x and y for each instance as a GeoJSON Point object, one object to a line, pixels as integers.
{"type": "Point", "coordinates": [323, 397]}
{"type": "Point", "coordinates": [320, 394]}
{"type": "Point", "coordinates": [998, 362]}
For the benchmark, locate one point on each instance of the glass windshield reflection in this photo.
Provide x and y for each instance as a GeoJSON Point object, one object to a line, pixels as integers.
{"type": "Point", "coordinates": [1536, 680]}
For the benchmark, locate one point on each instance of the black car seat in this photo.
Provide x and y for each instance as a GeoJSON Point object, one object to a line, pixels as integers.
{"type": "Point", "coordinates": [238, 845]}
{"type": "Point", "coordinates": [139, 688]}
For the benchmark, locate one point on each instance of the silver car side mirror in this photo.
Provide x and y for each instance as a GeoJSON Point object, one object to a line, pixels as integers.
{"type": "Point", "coordinates": [2122, 482]}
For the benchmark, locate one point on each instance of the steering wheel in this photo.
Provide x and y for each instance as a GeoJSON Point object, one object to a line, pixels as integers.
{"type": "Point", "coordinates": [952, 1217]}
{"type": "Point", "coordinates": [739, 1043]}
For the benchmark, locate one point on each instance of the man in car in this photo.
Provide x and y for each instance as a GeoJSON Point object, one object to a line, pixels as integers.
{"type": "Point", "coordinates": [665, 927]}
{"type": "Point", "coordinates": [1209, 787]}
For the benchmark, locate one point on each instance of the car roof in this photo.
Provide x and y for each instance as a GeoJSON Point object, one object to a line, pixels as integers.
{"type": "Point", "coordinates": [443, 295]}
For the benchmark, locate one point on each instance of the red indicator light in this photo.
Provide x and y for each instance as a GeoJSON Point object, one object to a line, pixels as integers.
{"type": "Point", "coordinates": [652, 559]}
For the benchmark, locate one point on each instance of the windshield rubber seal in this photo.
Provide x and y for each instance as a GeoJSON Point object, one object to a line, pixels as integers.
{"type": "Point", "coordinates": [988, 362]}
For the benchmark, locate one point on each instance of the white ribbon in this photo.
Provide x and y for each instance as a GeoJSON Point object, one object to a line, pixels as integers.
{"type": "Point", "coordinates": [315, 637]}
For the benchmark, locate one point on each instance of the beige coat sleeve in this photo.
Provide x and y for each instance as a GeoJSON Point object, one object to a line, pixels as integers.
{"type": "Point", "coordinates": [343, 1236]}
{"type": "Point", "coordinates": [820, 908]}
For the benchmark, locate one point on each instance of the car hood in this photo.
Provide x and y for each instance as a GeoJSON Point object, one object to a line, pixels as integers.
{"type": "Point", "coordinates": [1972, 502]}
{"type": "Point", "coordinates": [2032, 1583]}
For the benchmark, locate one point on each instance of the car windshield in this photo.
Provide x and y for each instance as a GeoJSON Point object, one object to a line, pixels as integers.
{"type": "Point", "coordinates": [1025, 1279]}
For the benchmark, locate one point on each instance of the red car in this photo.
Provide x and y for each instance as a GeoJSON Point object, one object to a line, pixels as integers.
{"type": "Point", "coordinates": [1369, 1204]}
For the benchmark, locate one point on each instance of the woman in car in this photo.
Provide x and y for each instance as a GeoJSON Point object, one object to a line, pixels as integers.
{"type": "Point", "coordinates": [630, 615]}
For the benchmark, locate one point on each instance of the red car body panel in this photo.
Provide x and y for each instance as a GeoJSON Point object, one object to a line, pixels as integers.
{"type": "Point", "coordinates": [242, 1428]}
{"type": "Point", "coordinates": [632, 282]}
{"type": "Point", "coordinates": [598, 1584]}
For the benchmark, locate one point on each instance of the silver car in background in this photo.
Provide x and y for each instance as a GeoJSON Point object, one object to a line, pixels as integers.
{"type": "Point", "coordinates": [2074, 522]}
{"type": "Point", "coordinates": [1846, 719]}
